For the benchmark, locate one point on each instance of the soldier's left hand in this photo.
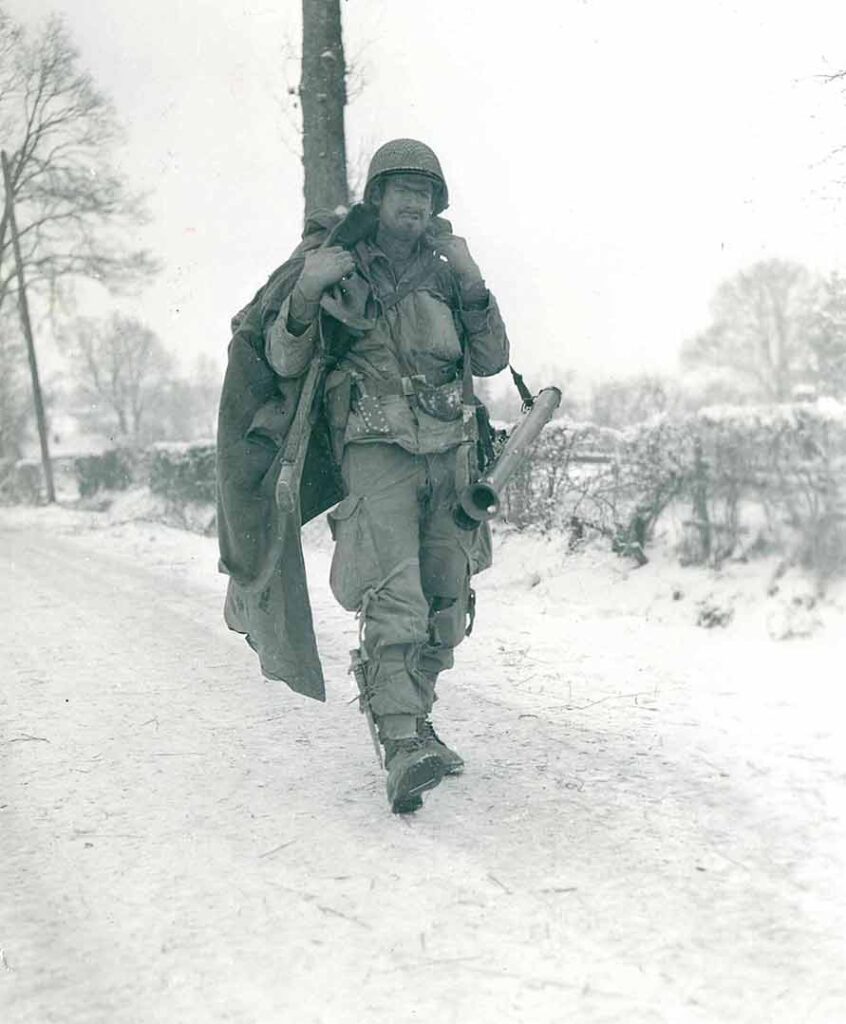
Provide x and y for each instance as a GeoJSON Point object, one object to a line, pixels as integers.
{"type": "Point", "coordinates": [454, 249]}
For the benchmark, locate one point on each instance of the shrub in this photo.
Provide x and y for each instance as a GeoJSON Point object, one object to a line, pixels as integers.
{"type": "Point", "coordinates": [746, 478]}
{"type": "Point", "coordinates": [183, 472]}
{"type": "Point", "coordinates": [112, 470]}
{"type": "Point", "coordinates": [21, 482]}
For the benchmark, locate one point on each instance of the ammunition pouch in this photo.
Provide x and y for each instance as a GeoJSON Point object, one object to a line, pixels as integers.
{"type": "Point", "coordinates": [442, 402]}
{"type": "Point", "coordinates": [438, 393]}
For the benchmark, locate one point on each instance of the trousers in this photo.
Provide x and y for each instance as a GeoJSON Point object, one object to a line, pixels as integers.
{"type": "Point", "coordinates": [403, 564]}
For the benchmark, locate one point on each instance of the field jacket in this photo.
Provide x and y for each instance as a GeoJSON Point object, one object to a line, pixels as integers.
{"type": "Point", "coordinates": [409, 328]}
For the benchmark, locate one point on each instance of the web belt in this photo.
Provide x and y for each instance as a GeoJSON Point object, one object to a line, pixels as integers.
{"type": "Point", "coordinates": [379, 386]}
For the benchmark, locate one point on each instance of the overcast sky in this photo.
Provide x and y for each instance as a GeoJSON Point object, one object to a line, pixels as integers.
{"type": "Point", "coordinates": [609, 162]}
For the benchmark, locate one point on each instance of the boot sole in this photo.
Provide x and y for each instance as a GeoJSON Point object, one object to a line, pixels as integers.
{"type": "Point", "coordinates": [420, 776]}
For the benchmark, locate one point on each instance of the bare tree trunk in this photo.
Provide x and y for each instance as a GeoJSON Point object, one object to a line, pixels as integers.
{"type": "Point", "coordinates": [323, 96]}
{"type": "Point", "coordinates": [27, 329]}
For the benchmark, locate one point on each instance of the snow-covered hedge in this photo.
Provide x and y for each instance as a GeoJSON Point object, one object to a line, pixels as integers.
{"type": "Point", "coordinates": [112, 470]}
{"type": "Point", "coordinates": [732, 482]}
{"type": "Point", "coordinates": [179, 472]}
{"type": "Point", "coordinates": [183, 472]}
{"type": "Point", "coordinates": [20, 481]}
{"type": "Point", "coordinates": [743, 479]}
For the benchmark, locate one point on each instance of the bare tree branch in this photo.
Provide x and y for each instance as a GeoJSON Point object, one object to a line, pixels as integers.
{"type": "Point", "coordinates": [60, 132]}
{"type": "Point", "coordinates": [118, 363]}
{"type": "Point", "coordinates": [760, 330]}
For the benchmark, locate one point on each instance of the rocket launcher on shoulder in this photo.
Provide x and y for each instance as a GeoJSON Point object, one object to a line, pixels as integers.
{"type": "Point", "coordinates": [480, 501]}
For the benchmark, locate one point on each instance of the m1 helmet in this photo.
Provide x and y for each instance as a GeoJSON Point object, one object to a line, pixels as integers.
{"type": "Point", "coordinates": [410, 157]}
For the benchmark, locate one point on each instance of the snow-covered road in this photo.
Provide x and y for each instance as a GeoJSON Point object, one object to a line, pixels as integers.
{"type": "Point", "coordinates": [651, 827]}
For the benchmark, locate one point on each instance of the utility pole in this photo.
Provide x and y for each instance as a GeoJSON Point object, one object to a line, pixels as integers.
{"type": "Point", "coordinates": [323, 95]}
{"type": "Point", "coordinates": [27, 329]}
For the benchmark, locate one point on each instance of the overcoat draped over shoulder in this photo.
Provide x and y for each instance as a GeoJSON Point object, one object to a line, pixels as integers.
{"type": "Point", "coordinates": [270, 430]}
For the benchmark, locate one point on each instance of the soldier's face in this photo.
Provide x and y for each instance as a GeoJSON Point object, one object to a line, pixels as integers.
{"type": "Point", "coordinates": [405, 208]}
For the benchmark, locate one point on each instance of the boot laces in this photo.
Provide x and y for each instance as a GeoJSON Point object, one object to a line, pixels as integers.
{"type": "Point", "coordinates": [426, 731]}
{"type": "Point", "coordinates": [404, 745]}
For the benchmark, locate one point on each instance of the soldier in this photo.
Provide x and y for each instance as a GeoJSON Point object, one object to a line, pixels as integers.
{"type": "Point", "coordinates": [419, 321]}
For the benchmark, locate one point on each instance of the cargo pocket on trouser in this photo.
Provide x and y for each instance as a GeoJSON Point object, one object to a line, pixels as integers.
{"type": "Point", "coordinates": [393, 631]}
{"type": "Point", "coordinates": [446, 583]}
{"type": "Point", "coordinates": [448, 620]}
{"type": "Point", "coordinates": [355, 566]}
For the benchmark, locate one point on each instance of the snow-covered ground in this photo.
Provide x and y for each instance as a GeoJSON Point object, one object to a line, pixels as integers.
{"type": "Point", "coordinates": [651, 828]}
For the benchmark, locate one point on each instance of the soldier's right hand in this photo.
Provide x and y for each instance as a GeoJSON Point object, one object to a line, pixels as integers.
{"type": "Point", "coordinates": [323, 268]}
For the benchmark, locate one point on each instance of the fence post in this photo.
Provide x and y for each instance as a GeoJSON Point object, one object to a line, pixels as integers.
{"type": "Point", "coordinates": [700, 499]}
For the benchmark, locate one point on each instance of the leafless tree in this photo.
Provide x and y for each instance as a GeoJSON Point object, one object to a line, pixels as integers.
{"type": "Point", "coordinates": [760, 332]}
{"type": "Point", "coordinates": [73, 208]}
{"type": "Point", "coordinates": [827, 338]}
{"type": "Point", "coordinates": [619, 402]}
{"type": "Point", "coordinates": [120, 368]}
{"type": "Point", "coordinates": [186, 407]}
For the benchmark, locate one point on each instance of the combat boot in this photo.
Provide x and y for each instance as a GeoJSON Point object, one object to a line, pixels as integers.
{"type": "Point", "coordinates": [453, 761]}
{"type": "Point", "coordinates": [413, 767]}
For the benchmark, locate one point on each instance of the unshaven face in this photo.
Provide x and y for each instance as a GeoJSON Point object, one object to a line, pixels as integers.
{"type": "Point", "coordinates": [405, 208]}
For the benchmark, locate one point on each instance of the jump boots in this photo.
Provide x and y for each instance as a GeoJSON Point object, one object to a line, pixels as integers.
{"type": "Point", "coordinates": [413, 767]}
{"type": "Point", "coordinates": [453, 761]}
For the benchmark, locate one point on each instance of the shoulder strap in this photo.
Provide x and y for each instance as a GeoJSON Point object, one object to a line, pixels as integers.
{"type": "Point", "coordinates": [526, 396]}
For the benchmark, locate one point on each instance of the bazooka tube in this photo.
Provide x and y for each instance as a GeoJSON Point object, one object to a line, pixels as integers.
{"type": "Point", "coordinates": [480, 501]}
